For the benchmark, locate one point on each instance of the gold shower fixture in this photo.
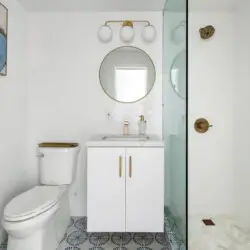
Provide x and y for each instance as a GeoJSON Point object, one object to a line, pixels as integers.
{"type": "Point", "coordinates": [202, 125]}
{"type": "Point", "coordinates": [127, 32]}
{"type": "Point", "coordinates": [207, 32]}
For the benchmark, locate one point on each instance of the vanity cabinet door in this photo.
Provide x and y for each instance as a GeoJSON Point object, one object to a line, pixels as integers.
{"type": "Point", "coordinates": [145, 190]}
{"type": "Point", "coordinates": [106, 189]}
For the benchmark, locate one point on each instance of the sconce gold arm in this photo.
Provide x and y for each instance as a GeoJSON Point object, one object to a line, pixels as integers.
{"type": "Point", "coordinates": [130, 166]}
{"type": "Point", "coordinates": [120, 166]}
{"type": "Point", "coordinates": [127, 21]}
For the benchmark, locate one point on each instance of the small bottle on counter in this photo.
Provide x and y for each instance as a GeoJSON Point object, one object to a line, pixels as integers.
{"type": "Point", "coordinates": [142, 125]}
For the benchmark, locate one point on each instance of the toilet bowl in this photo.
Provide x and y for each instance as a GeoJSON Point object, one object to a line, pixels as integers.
{"type": "Point", "coordinates": [38, 218]}
{"type": "Point", "coordinates": [31, 219]}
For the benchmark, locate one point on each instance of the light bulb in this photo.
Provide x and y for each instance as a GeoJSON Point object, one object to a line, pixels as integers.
{"type": "Point", "coordinates": [149, 33]}
{"type": "Point", "coordinates": [105, 34]}
{"type": "Point", "coordinates": [127, 34]}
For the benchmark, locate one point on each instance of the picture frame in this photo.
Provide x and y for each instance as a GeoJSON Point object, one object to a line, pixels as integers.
{"type": "Point", "coordinates": [3, 39]}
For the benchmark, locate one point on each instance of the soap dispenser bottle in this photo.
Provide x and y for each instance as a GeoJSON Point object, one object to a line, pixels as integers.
{"type": "Point", "coordinates": [142, 125]}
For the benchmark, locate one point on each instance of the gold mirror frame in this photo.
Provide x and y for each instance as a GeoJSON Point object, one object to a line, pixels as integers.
{"type": "Point", "coordinates": [153, 84]}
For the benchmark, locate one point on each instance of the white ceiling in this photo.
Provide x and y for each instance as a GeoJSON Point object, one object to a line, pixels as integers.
{"type": "Point", "coordinates": [93, 5]}
{"type": "Point", "coordinates": [212, 5]}
{"type": "Point", "coordinates": [127, 5]}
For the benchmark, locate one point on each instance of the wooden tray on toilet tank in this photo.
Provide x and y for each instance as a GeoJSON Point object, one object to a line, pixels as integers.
{"type": "Point", "coordinates": [58, 145]}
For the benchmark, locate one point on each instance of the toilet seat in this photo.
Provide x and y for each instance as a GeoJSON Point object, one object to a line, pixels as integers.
{"type": "Point", "coordinates": [32, 203]}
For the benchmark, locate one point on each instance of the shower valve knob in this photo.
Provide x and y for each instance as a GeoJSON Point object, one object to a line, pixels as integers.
{"type": "Point", "coordinates": [202, 125]}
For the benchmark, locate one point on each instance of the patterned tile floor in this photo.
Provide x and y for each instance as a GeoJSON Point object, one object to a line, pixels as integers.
{"type": "Point", "coordinates": [76, 238]}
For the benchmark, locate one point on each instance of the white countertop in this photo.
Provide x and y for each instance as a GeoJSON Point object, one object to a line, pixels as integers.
{"type": "Point", "coordinates": [97, 141]}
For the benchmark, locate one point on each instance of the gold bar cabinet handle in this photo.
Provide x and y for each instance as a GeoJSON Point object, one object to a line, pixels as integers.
{"type": "Point", "coordinates": [120, 166]}
{"type": "Point", "coordinates": [130, 166]}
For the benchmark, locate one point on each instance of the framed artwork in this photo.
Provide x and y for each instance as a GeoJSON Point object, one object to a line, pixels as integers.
{"type": "Point", "coordinates": [3, 39]}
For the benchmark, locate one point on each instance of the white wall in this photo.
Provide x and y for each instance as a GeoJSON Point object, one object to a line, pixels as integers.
{"type": "Point", "coordinates": [14, 174]}
{"type": "Point", "coordinates": [241, 88]}
{"type": "Point", "coordinates": [211, 96]}
{"type": "Point", "coordinates": [66, 101]}
{"type": "Point", "coordinates": [93, 5]}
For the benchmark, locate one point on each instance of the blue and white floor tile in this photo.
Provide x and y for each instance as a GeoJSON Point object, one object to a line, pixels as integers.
{"type": "Point", "coordinates": [77, 238]}
{"type": "Point", "coordinates": [3, 246]}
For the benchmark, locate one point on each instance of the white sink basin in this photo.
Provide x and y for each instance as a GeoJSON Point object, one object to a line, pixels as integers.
{"type": "Point", "coordinates": [125, 138]}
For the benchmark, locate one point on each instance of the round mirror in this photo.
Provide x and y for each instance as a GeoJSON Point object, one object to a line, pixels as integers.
{"type": "Point", "coordinates": [178, 74]}
{"type": "Point", "coordinates": [127, 74]}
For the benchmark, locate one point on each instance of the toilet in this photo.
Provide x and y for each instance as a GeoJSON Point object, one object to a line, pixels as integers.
{"type": "Point", "coordinates": [38, 218]}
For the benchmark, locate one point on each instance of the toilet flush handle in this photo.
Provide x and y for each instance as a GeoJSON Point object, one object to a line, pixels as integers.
{"type": "Point", "coordinates": [41, 155]}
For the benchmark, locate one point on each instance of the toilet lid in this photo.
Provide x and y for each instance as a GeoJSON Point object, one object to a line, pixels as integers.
{"type": "Point", "coordinates": [32, 203]}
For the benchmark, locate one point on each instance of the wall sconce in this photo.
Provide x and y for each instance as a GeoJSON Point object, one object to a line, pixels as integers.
{"type": "Point", "coordinates": [149, 33]}
{"type": "Point", "coordinates": [105, 33]}
{"type": "Point", "coordinates": [127, 32]}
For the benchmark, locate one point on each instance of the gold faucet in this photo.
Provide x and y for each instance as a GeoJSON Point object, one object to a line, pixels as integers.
{"type": "Point", "coordinates": [125, 128]}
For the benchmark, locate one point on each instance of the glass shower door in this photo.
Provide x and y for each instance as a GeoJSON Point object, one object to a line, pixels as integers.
{"type": "Point", "coordinates": [174, 96]}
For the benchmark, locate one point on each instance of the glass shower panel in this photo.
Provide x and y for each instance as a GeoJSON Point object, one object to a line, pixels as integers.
{"type": "Point", "coordinates": [174, 95]}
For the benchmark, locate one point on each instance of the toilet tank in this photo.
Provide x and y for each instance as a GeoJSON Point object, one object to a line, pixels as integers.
{"type": "Point", "coordinates": [57, 162]}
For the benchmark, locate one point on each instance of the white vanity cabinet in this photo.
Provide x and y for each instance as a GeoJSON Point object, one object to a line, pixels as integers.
{"type": "Point", "coordinates": [125, 189]}
{"type": "Point", "coordinates": [144, 189]}
{"type": "Point", "coordinates": [106, 190]}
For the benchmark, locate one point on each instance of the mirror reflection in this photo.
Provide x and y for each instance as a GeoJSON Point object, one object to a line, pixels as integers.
{"type": "Point", "coordinates": [178, 74]}
{"type": "Point", "coordinates": [127, 74]}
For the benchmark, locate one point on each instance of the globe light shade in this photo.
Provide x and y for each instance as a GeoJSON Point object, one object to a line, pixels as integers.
{"type": "Point", "coordinates": [149, 33]}
{"type": "Point", "coordinates": [105, 34]}
{"type": "Point", "coordinates": [127, 34]}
